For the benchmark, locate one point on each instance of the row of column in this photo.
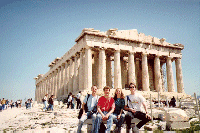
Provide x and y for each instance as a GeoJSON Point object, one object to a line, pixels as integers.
{"type": "Point", "coordinates": [77, 74]}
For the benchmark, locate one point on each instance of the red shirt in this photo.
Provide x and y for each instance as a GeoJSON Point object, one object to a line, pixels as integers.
{"type": "Point", "coordinates": [106, 104]}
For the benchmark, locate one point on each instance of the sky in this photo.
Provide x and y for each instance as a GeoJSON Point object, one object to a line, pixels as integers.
{"type": "Point", "coordinates": [35, 32]}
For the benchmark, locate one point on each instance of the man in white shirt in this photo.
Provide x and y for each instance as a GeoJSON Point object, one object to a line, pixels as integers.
{"type": "Point", "coordinates": [133, 104]}
{"type": "Point", "coordinates": [91, 100]}
{"type": "Point", "coordinates": [78, 99]}
{"type": "Point", "coordinates": [69, 100]}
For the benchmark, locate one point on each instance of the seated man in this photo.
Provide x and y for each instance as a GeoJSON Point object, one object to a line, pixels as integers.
{"type": "Point", "coordinates": [105, 107]}
{"type": "Point", "coordinates": [133, 104]}
{"type": "Point", "coordinates": [91, 101]}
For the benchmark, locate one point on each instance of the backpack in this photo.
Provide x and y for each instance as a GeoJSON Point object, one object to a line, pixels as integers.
{"type": "Point", "coordinates": [85, 108]}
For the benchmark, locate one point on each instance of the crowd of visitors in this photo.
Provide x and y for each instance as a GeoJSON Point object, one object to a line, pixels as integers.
{"type": "Point", "coordinates": [5, 104]}
{"type": "Point", "coordinates": [29, 103]}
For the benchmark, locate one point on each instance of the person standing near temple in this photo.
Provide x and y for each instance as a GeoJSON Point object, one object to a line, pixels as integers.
{"type": "Point", "coordinates": [133, 104]}
{"type": "Point", "coordinates": [69, 100]}
{"type": "Point", "coordinates": [45, 102]}
{"type": "Point", "coordinates": [50, 103]}
{"type": "Point", "coordinates": [173, 102]}
{"type": "Point", "coordinates": [78, 99]}
{"type": "Point", "coordinates": [3, 103]}
{"type": "Point", "coordinates": [105, 108]}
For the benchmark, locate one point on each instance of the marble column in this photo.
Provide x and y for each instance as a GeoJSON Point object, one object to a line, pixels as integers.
{"type": "Point", "coordinates": [75, 83]}
{"type": "Point", "coordinates": [88, 69]}
{"type": "Point", "coordinates": [95, 71]}
{"type": "Point", "coordinates": [52, 83]}
{"type": "Point", "coordinates": [179, 76]}
{"type": "Point", "coordinates": [124, 72]}
{"type": "Point", "coordinates": [81, 71]}
{"type": "Point", "coordinates": [170, 79]}
{"type": "Point", "coordinates": [47, 85]}
{"type": "Point", "coordinates": [102, 69]}
{"type": "Point", "coordinates": [145, 74]}
{"type": "Point", "coordinates": [66, 80]}
{"type": "Point", "coordinates": [58, 81]}
{"type": "Point", "coordinates": [117, 70]}
{"type": "Point", "coordinates": [36, 89]}
{"type": "Point", "coordinates": [138, 72]}
{"type": "Point", "coordinates": [157, 74]}
{"type": "Point", "coordinates": [62, 79]}
{"type": "Point", "coordinates": [40, 91]}
{"type": "Point", "coordinates": [131, 68]}
{"type": "Point", "coordinates": [71, 74]}
{"type": "Point", "coordinates": [38, 96]}
{"type": "Point", "coordinates": [55, 83]}
{"type": "Point", "coordinates": [108, 71]}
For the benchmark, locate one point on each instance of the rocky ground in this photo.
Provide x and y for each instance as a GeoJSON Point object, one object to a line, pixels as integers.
{"type": "Point", "coordinates": [61, 120]}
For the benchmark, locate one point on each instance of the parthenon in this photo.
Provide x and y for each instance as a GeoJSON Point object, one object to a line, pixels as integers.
{"type": "Point", "coordinates": [114, 58]}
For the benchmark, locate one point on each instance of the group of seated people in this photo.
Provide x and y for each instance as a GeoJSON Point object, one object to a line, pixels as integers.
{"type": "Point", "coordinates": [106, 108]}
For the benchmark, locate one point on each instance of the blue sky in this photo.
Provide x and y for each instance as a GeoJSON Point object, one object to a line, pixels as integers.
{"type": "Point", "coordinates": [35, 32]}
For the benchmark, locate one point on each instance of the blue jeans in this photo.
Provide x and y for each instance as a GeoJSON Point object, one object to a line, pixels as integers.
{"type": "Point", "coordinates": [99, 120]}
{"type": "Point", "coordinates": [3, 106]}
{"type": "Point", "coordinates": [120, 121]}
{"type": "Point", "coordinates": [50, 106]}
{"type": "Point", "coordinates": [28, 105]}
{"type": "Point", "coordinates": [45, 105]}
{"type": "Point", "coordinates": [88, 115]}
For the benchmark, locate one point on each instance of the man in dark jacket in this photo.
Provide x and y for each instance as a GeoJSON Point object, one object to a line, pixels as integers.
{"type": "Point", "coordinates": [50, 103]}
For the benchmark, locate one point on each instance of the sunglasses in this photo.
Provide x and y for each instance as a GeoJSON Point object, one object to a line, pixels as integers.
{"type": "Point", "coordinates": [132, 87]}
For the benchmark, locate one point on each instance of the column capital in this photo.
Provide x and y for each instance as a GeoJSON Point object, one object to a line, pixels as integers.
{"type": "Point", "coordinates": [131, 52]}
{"type": "Point", "coordinates": [87, 47]}
{"type": "Point", "coordinates": [117, 50]}
{"type": "Point", "coordinates": [169, 57]}
{"type": "Point", "coordinates": [102, 48]}
{"type": "Point", "coordinates": [145, 52]}
{"type": "Point", "coordinates": [157, 55]}
{"type": "Point", "coordinates": [178, 58]}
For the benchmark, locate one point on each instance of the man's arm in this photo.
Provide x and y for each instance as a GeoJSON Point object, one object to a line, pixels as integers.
{"type": "Point", "coordinates": [129, 109]}
{"type": "Point", "coordinates": [145, 108]}
{"type": "Point", "coordinates": [110, 112]}
{"type": "Point", "coordinates": [99, 110]}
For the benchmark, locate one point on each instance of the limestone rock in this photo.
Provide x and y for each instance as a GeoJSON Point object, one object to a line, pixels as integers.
{"type": "Point", "coordinates": [175, 115]}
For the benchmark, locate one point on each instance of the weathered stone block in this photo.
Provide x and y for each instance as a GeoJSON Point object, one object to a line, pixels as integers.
{"type": "Point", "coordinates": [178, 125]}
{"type": "Point", "coordinates": [175, 114]}
{"type": "Point", "coordinates": [150, 127]}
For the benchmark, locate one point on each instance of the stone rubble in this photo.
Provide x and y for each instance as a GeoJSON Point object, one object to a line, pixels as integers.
{"type": "Point", "coordinates": [22, 120]}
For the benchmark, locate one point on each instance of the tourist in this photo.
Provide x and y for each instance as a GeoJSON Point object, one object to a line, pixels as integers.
{"type": "Point", "coordinates": [118, 114]}
{"type": "Point", "coordinates": [31, 102]}
{"type": "Point", "coordinates": [73, 102]}
{"type": "Point", "coordinates": [105, 108]}
{"type": "Point", "coordinates": [7, 104]}
{"type": "Point", "coordinates": [3, 103]}
{"type": "Point", "coordinates": [12, 104]}
{"type": "Point", "coordinates": [133, 104]}
{"type": "Point", "coordinates": [45, 102]}
{"type": "Point", "coordinates": [69, 100]}
{"type": "Point", "coordinates": [50, 103]}
{"type": "Point", "coordinates": [28, 102]}
{"type": "Point", "coordinates": [172, 102]}
{"type": "Point", "coordinates": [91, 101]}
{"type": "Point", "coordinates": [78, 99]}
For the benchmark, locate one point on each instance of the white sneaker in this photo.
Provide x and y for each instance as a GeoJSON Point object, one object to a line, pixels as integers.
{"type": "Point", "coordinates": [135, 129]}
